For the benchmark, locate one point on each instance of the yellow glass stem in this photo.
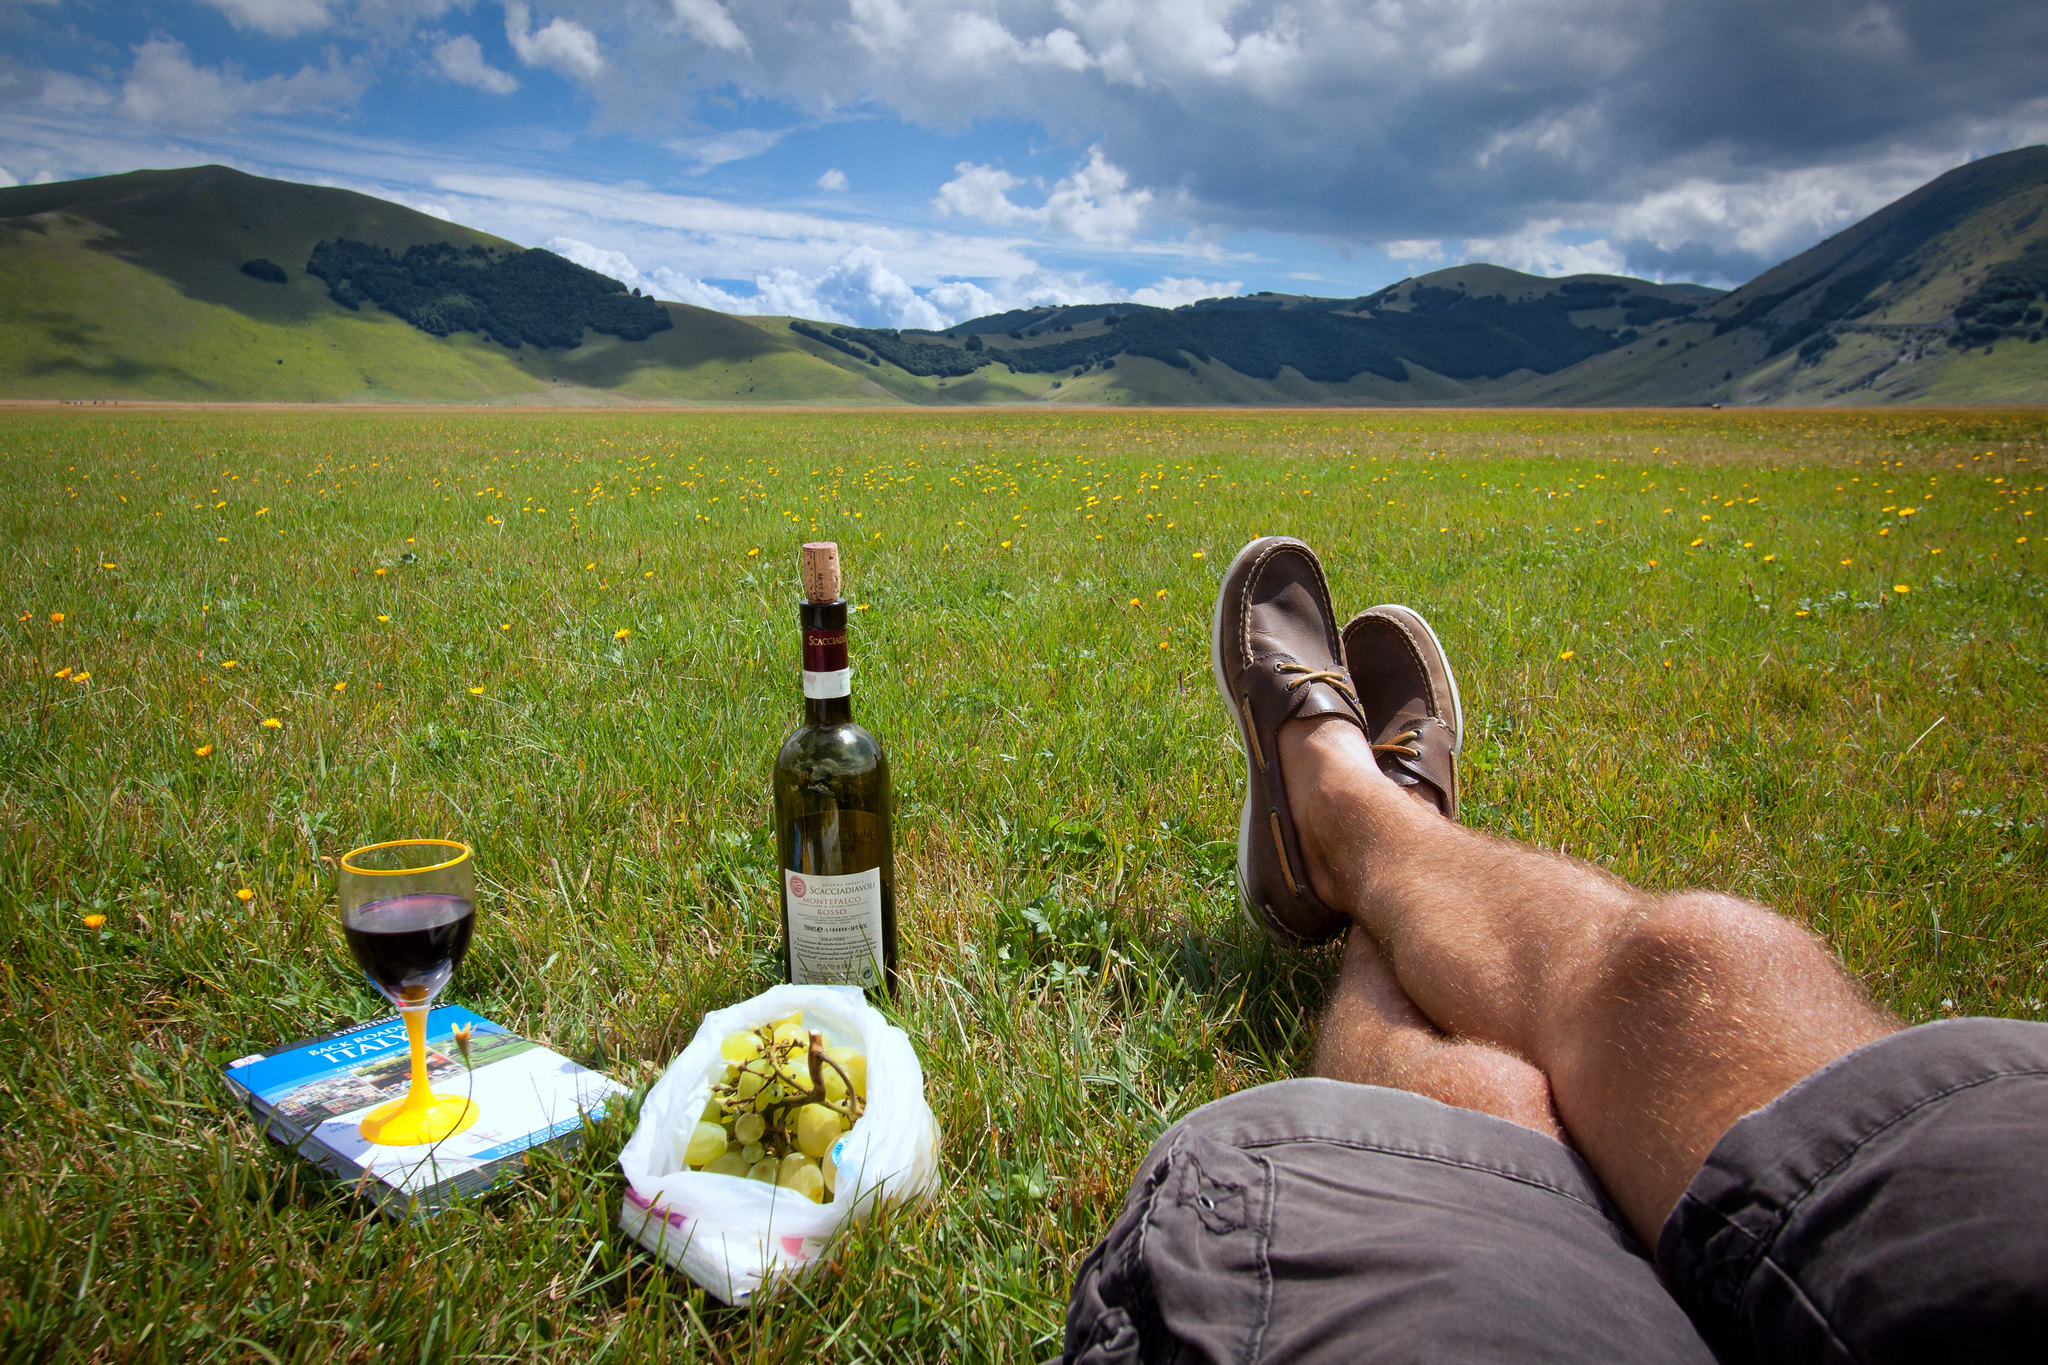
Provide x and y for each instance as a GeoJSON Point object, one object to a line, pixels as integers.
{"type": "Point", "coordinates": [422, 1116]}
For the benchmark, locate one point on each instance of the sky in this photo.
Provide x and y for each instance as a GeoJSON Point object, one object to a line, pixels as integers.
{"type": "Point", "coordinates": [914, 163]}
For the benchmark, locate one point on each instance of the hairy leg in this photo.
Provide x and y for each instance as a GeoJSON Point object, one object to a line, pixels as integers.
{"type": "Point", "coordinates": [1372, 1034]}
{"type": "Point", "coordinates": [1658, 1019]}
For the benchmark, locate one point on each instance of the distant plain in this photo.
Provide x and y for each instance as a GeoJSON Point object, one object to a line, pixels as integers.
{"type": "Point", "coordinates": [1801, 656]}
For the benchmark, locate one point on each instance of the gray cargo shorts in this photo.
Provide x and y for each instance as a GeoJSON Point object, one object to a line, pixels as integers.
{"type": "Point", "coordinates": [1893, 1206]}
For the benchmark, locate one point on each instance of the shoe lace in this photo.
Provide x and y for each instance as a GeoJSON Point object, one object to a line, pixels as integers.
{"type": "Point", "coordinates": [1404, 744]}
{"type": "Point", "coordinates": [1306, 675]}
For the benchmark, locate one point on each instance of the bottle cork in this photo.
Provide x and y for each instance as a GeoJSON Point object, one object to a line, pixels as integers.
{"type": "Point", "coordinates": [821, 571]}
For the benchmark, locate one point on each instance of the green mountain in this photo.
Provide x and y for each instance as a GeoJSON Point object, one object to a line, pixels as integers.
{"type": "Point", "coordinates": [1454, 336]}
{"type": "Point", "coordinates": [209, 284]}
{"type": "Point", "coordinates": [135, 286]}
{"type": "Point", "coordinates": [1935, 298]}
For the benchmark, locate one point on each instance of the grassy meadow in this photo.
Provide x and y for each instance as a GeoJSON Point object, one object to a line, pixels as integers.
{"type": "Point", "coordinates": [1799, 656]}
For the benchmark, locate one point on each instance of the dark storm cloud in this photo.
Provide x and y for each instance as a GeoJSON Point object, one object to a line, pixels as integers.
{"type": "Point", "coordinates": [1430, 118]}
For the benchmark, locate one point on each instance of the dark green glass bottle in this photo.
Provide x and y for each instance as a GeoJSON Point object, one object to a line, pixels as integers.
{"type": "Point", "coordinates": [832, 817]}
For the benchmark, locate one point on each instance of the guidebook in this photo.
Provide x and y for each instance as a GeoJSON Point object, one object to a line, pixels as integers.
{"type": "Point", "coordinates": [311, 1095]}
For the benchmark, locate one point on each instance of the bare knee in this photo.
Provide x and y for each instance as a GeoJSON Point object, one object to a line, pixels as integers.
{"type": "Point", "coordinates": [1707, 963]}
{"type": "Point", "coordinates": [1681, 940]}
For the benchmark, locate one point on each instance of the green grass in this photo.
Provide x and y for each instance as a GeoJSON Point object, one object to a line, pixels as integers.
{"type": "Point", "coordinates": [1748, 713]}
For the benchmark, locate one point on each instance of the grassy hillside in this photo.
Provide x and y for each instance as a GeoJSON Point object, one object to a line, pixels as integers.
{"type": "Point", "coordinates": [1455, 335]}
{"type": "Point", "coordinates": [1870, 315]}
{"type": "Point", "coordinates": [570, 638]}
{"type": "Point", "coordinates": [131, 286]}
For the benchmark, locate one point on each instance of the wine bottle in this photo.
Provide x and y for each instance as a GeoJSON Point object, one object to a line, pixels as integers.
{"type": "Point", "coordinates": [832, 811]}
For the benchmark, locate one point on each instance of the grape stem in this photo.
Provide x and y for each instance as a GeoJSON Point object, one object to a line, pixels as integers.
{"type": "Point", "coordinates": [849, 1106]}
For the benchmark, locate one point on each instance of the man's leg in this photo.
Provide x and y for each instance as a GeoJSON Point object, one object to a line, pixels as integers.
{"type": "Point", "coordinates": [1658, 1019]}
{"type": "Point", "coordinates": [1372, 1034]}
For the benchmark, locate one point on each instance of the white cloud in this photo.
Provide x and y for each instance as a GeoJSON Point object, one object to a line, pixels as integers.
{"type": "Point", "coordinates": [276, 18]}
{"type": "Point", "coordinates": [563, 45]}
{"type": "Point", "coordinates": [708, 22]}
{"type": "Point", "coordinates": [862, 288]}
{"type": "Point", "coordinates": [1172, 292]}
{"type": "Point", "coordinates": [834, 180]}
{"type": "Point", "coordinates": [1426, 249]}
{"type": "Point", "coordinates": [716, 149]}
{"type": "Point", "coordinates": [616, 264]}
{"type": "Point", "coordinates": [1773, 215]}
{"type": "Point", "coordinates": [461, 59]}
{"type": "Point", "coordinates": [67, 92]}
{"type": "Point", "coordinates": [1538, 250]}
{"type": "Point", "coordinates": [981, 193]}
{"type": "Point", "coordinates": [1094, 204]}
{"type": "Point", "coordinates": [165, 87]}
{"type": "Point", "coordinates": [860, 285]}
{"type": "Point", "coordinates": [7, 182]}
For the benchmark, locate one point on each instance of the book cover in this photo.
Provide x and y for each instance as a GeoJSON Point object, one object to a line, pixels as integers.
{"type": "Point", "coordinates": [312, 1094]}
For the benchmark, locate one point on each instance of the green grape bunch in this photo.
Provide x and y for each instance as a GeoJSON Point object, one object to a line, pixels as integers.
{"type": "Point", "coordinates": [778, 1108]}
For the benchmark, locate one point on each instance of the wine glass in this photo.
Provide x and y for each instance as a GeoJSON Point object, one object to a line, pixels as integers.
{"type": "Point", "coordinates": [408, 909]}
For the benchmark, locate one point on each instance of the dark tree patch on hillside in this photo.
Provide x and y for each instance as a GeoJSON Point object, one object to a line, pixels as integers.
{"type": "Point", "coordinates": [270, 272]}
{"type": "Point", "coordinates": [918, 357]}
{"type": "Point", "coordinates": [1448, 332]}
{"type": "Point", "coordinates": [804, 329]}
{"type": "Point", "coordinates": [514, 297]}
{"type": "Point", "coordinates": [2004, 303]}
{"type": "Point", "coordinates": [1644, 309]}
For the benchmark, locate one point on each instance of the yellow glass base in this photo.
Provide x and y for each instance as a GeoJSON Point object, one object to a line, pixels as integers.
{"type": "Point", "coordinates": [404, 1123]}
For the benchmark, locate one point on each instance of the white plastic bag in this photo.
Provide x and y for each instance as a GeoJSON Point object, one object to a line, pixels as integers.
{"type": "Point", "coordinates": [728, 1233]}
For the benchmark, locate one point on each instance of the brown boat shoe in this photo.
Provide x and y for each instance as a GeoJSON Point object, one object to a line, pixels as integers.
{"type": "Point", "coordinates": [1413, 713]}
{"type": "Point", "coordinates": [1277, 656]}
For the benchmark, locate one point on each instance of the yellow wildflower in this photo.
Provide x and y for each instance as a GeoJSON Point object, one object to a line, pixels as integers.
{"type": "Point", "coordinates": [1567, 654]}
{"type": "Point", "coordinates": [203, 751]}
{"type": "Point", "coordinates": [245, 894]}
{"type": "Point", "coordinates": [1900, 587]}
{"type": "Point", "coordinates": [621, 633]}
{"type": "Point", "coordinates": [93, 921]}
{"type": "Point", "coordinates": [476, 691]}
{"type": "Point", "coordinates": [272, 723]}
{"type": "Point", "coordinates": [341, 687]}
{"type": "Point", "coordinates": [56, 618]}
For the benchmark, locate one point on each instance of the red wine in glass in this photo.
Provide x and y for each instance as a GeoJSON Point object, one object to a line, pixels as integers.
{"type": "Point", "coordinates": [410, 945]}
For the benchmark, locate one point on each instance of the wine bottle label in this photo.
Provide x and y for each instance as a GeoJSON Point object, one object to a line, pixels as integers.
{"type": "Point", "coordinates": [819, 686]}
{"type": "Point", "coordinates": [825, 667]}
{"type": "Point", "coordinates": [835, 927]}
